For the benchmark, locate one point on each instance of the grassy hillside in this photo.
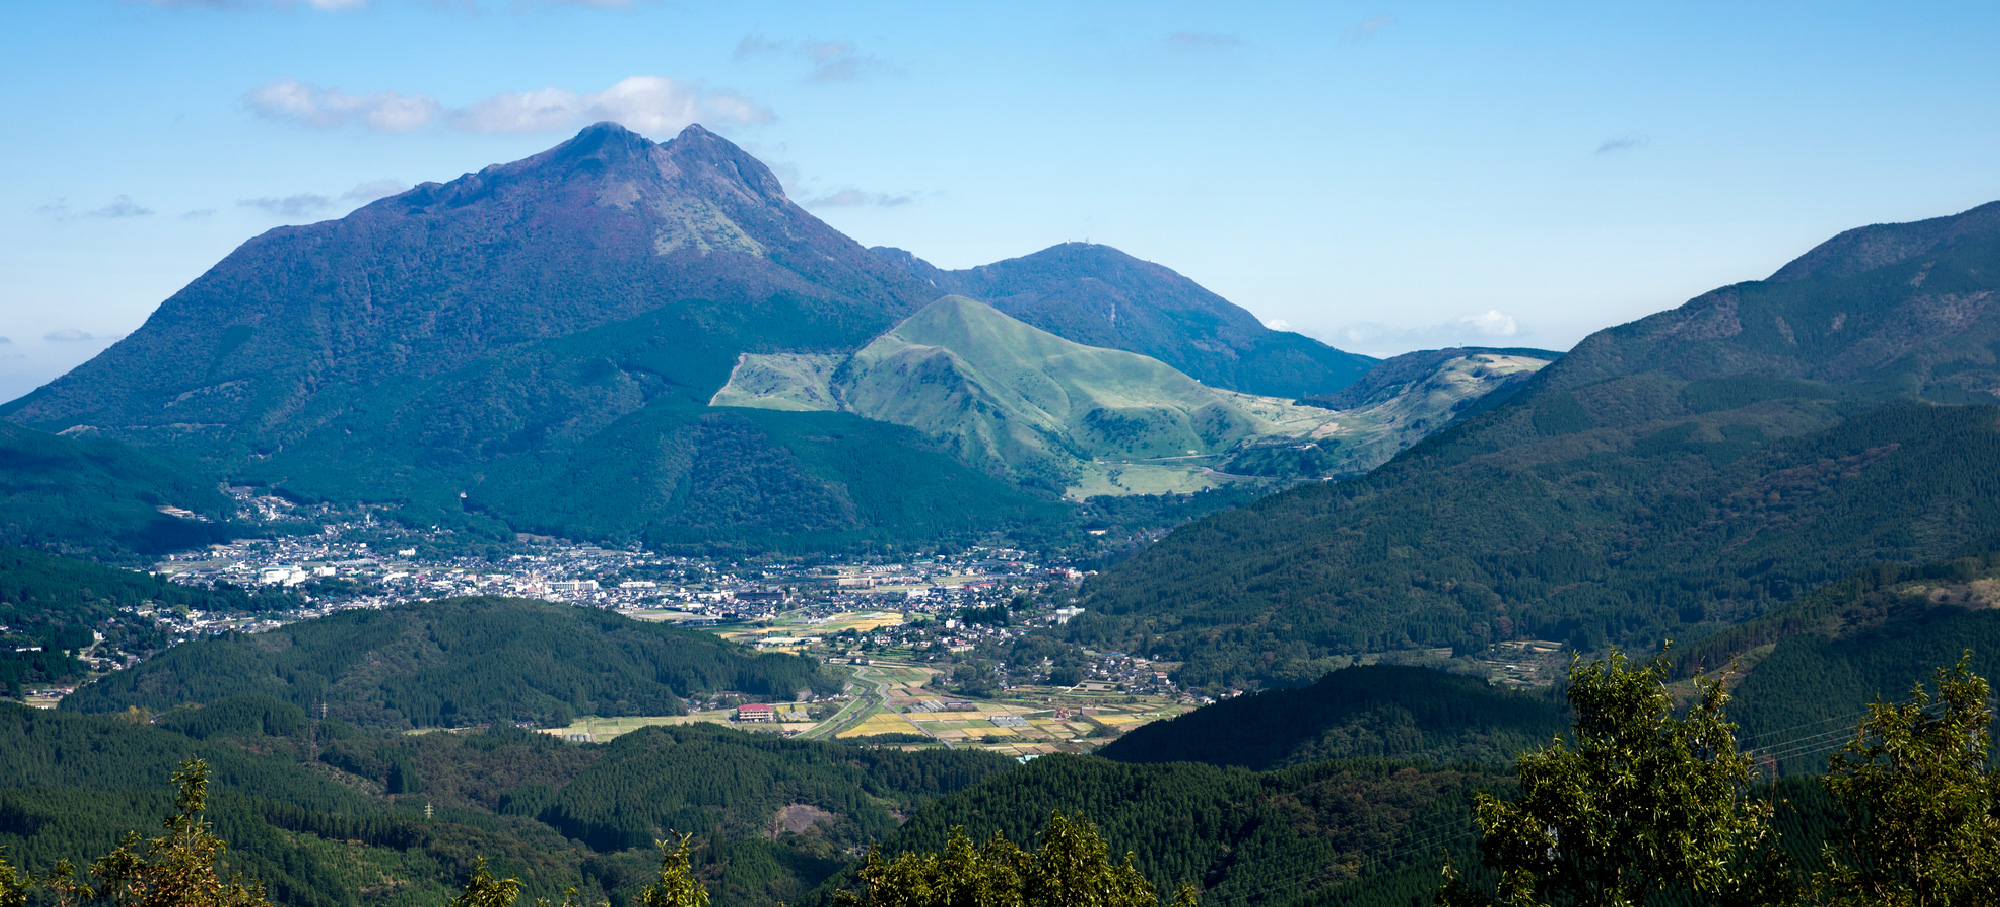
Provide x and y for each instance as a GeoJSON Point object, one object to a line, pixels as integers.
{"type": "Point", "coordinates": [456, 662]}
{"type": "Point", "coordinates": [1099, 296]}
{"type": "Point", "coordinates": [1376, 711]}
{"type": "Point", "coordinates": [93, 495]}
{"type": "Point", "coordinates": [1046, 412]}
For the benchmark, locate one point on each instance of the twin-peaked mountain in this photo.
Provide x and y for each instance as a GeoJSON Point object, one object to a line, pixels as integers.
{"type": "Point", "coordinates": [539, 342]}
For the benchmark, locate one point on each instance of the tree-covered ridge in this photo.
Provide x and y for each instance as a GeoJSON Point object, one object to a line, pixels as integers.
{"type": "Point", "coordinates": [95, 496]}
{"type": "Point", "coordinates": [330, 815]}
{"type": "Point", "coordinates": [1378, 711]}
{"type": "Point", "coordinates": [1341, 829]}
{"type": "Point", "coordinates": [56, 604]}
{"type": "Point", "coordinates": [456, 662]}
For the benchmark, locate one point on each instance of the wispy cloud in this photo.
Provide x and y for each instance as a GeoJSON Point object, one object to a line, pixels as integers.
{"type": "Point", "coordinates": [122, 206]}
{"type": "Point", "coordinates": [300, 205]}
{"type": "Point", "coordinates": [1471, 329]}
{"type": "Point", "coordinates": [374, 189]}
{"type": "Point", "coordinates": [855, 198]}
{"type": "Point", "coordinates": [653, 104]}
{"type": "Point", "coordinates": [1623, 143]}
{"type": "Point", "coordinates": [1369, 28]}
{"type": "Point", "coordinates": [68, 335]}
{"type": "Point", "coordinates": [832, 61]}
{"type": "Point", "coordinates": [1202, 40]}
{"type": "Point", "coordinates": [198, 214]}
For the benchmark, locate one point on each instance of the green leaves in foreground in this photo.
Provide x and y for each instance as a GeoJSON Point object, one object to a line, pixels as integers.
{"type": "Point", "coordinates": [1649, 807]}
{"type": "Point", "coordinates": [1071, 869]}
{"type": "Point", "coordinates": [1645, 801]}
{"type": "Point", "coordinates": [1923, 798]}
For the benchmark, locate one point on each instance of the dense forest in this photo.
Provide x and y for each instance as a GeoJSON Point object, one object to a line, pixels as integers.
{"type": "Point", "coordinates": [457, 662]}
{"type": "Point", "coordinates": [1379, 711]}
{"type": "Point", "coordinates": [96, 496]}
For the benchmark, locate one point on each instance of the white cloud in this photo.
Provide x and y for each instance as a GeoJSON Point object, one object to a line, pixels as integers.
{"type": "Point", "coordinates": [374, 189]}
{"type": "Point", "coordinates": [329, 108]}
{"type": "Point", "coordinates": [1490, 323]}
{"type": "Point", "coordinates": [300, 205]}
{"type": "Point", "coordinates": [1278, 324]}
{"type": "Point", "coordinates": [68, 335]}
{"type": "Point", "coordinates": [855, 198]}
{"type": "Point", "coordinates": [1489, 328]}
{"type": "Point", "coordinates": [198, 214]}
{"type": "Point", "coordinates": [650, 104]}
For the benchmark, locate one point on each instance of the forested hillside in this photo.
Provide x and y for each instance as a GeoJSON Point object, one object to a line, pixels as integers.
{"type": "Point", "coordinates": [328, 815]}
{"type": "Point", "coordinates": [95, 496]}
{"type": "Point", "coordinates": [1378, 711]}
{"type": "Point", "coordinates": [1667, 478]}
{"type": "Point", "coordinates": [1351, 832]}
{"type": "Point", "coordinates": [51, 606]}
{"type": "Point", "coordinates": [457, 662]}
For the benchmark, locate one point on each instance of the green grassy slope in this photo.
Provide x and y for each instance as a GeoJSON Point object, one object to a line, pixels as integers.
{"type": "Point", "coordinates": [1099, 296]}
{"type": "Point", "coordinates": [456, 662]}
{"type": "Point", "coordinates": [1378, 711]}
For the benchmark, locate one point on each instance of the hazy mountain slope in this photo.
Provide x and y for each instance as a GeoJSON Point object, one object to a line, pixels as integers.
{"type": "Point", "coordinates": [1099, 296]}
{"type": "Point", "coordinates": [1893, 309]}
{"type": "Point", "coordinates": [455, 662]}
{"type": "Point", "coordinates": [1380, 711]}
{"type": "Point", "coordinates": [1657, 480]}
{"type": "Point", "coordinates": [455, 347]}
{"type": "Point", "coordinates": [93, 495]}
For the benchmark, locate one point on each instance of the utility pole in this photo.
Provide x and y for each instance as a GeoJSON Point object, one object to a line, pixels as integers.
{"type": "Point", "coordinates": [427, 810]}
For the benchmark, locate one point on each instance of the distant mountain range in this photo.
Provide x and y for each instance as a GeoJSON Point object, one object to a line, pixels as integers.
{"type": "Point", "coordinates": [1666, 478]}
{"type": "Point", "coordinates": [533, 347]}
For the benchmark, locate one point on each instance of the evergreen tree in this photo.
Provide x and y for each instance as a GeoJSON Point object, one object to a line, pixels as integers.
{"type": "Point", "coordinates": [176, 869]}
{"type": "Point", "coordinates": [677, 886]}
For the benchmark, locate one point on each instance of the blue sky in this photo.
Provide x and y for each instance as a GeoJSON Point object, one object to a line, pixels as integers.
{"type": "Point", "coordinates": [1382, 175]}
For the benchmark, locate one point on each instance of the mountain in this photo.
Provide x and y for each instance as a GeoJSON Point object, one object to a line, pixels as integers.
{"type": "Point", "coordinates": [1379, 711]}
{"type": "Point", "coordinates": [530, 341]}
{"type": "Point", "coordinates": [1669, 477]}
{"type": "Point", "coordinates": [1027, 404]}
{"type": "Point", "coordinates": [456, 662]}
{"type": "Point", "coordinates": [1099, 296]}
{"type": "Point", "coordinates": [93, 495]}
{"type": "Point", "coordinates": [1045, 411]}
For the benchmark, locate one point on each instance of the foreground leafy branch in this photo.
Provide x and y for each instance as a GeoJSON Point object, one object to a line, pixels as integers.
{"type": "Point", "coordinates": [1072, 868]}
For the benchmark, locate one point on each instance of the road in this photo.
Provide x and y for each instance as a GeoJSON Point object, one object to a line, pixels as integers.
{"type": "Point", "coordinates": [862, 705]}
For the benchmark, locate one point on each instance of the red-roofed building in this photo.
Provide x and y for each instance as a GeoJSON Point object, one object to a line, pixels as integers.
{"type": "Point", "coordinates": [755, 711]}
